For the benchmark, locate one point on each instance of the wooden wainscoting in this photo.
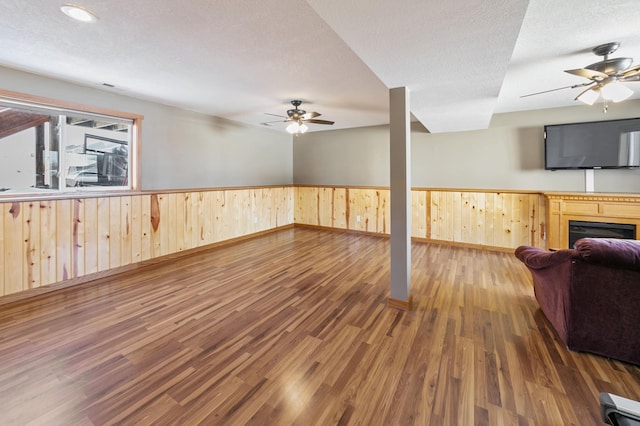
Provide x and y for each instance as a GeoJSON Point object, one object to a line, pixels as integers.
{"type": "Point", "coordinates": [500, 220]}
{"type": "Point", "coordinates": [50, 241]}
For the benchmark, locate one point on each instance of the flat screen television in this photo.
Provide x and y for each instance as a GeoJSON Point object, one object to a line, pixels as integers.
{"type": "Point", "coordinates": [593, 145]}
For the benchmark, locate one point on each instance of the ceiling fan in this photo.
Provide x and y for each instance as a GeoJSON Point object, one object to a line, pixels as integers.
{"type": "Point", "coordinates": [605, 77]}
{"type": "Point", "coordinates": [298, 117]}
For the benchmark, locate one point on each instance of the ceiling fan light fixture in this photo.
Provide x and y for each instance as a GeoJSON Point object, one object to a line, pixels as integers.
{"type": "Point", "coordinates": [303, 128]}
{"type": "Point", "coordinates": [293, 127]}
{"type": "Point", "coordinates": [589, 96]}
{"type": "Point", "coordinates": [78, 13]}
{"type": "Point", "coordinates": [616, 92]}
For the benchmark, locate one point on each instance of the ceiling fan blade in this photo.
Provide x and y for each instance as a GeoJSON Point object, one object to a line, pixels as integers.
{"type": "Point", "coordinates": [587, 73]}
{"type": "Point", "coordinates": [314, 121]}
{"type": "Point", "coordinates": [311, 115]}
{"type": "Point", "coordinates": [559, 88]}
{"type": "Point", "coordinates": [632, 71]}
{"type": "Point", "coordinates": [268, 123]}
{"type": "Point", "coordinates": [275, 115]}
{"type": "Point", "coordinates": [630, 78]}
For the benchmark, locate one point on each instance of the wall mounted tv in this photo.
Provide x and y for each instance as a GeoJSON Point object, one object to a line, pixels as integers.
{"type": "Point", "coordinates": [594, 145]}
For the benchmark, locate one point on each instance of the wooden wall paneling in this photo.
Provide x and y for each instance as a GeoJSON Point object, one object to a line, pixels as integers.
{"type": "Point", "coordinates": [236, 216]}
{"type": "Point", "coordinates": [435, 221]}
{"type": "Point", "coordinates": [289, 203]}
{"type": "Point", "coordinates": [156, 231]}
{"type": "Point", "coordinates": [529, 229]}
{"type": "Point", "coordinates": [509, 208]}
{"type": "Point", "coordinates": [248, 216]}
{"type": "Point", "coordinates": [48, 243]}
{"type": "Point", "coordinates": [499, 220]}
{"type": "Point", "coordinates": [445, 216]}
{"type": "Point", "coordinates": [456, 211]}
{"type": "Point", "coordinates": [429, 213]}
{"type": "Point", "coordinates": [78, 236]}
{"type": "Point", "coordinates": [465, 217]}
{"type": "Point", "coordinates": [182, 203]}
{"type": "Point", "coordinates": [146, 227]}
{"type": "Point", "coordinates": [363, 205]}
{"type": "Point", "coordinates": [325, 207]}
{"type": "Point", "coordinates": [523, 232]}
{"type": "Point", "coordinates": [104, 233]}
{"type": "Point", "coordinates": [63, 229]}
{"type": "Point", "coordinates": [210, 216]}
{"type": "Point", "coordinates": [278, 206]}
{"type": "Point", "coordinates": [171, 224]}
{"type": "Point", "coordinates": [541, 222]}
{"type": "Point", "coordinates": [218, 209]}
{"type": "Point", "coordinates": [419, 214]}
{"type": "Point", "coordinates": [354, 201]}
{"type": "Point", "coordinates": [306, 205]}
{"type": "Point", "coordinates": [489, 223]}
{"type": "Point", "coordinates": [91, 235]}
{"type": "Point", "coordinates": [478, 214]}
{"type": "Point", "coordinates": [514, 213]}
{"type": "Point", "coordinates": [126, 237]}
{"type": "Point", "coordinates": [165, 231]}
{"type": "Point", "coordinates": [230, 201]}
{"type": "Point", "coordinates": [277, 195]}
{"type": "Point", "coordinates": [339, 202]}
{"type": "Point", "coordinates": [115, 229]}
{"type": "Point", "coordinates": [31, 233]}
{"type": "Point", "coordinates": [13, 247]}
{"type": "Point", "coordinates": [383, 211]}
{"type": "Point", "coordinates": [268, 210]}
{"type": "Point", "coordinates": [259, 209]}
{"type": "Point", "coordinates": [194, 229]}
{"type": "Point", "coordinates": [536, 220]}
{"type": "Point", "coordinates": [272, 202]}
{"type": "Point", "coordinates": [448, 216]}
{"type": "Point", "coordinates": [136, 228]}
{"type": "Point", "coordinates": [202, 234]}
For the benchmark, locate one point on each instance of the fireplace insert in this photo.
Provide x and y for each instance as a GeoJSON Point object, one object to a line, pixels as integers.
{"type": "Point", "coordinates": [579, 229]}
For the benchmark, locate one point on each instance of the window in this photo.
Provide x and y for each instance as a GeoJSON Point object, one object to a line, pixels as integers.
{"type": "Point", "coordinates": [47, 148]}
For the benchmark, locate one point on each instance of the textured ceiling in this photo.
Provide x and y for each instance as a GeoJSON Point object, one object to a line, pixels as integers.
{"type": "Point", "coordinates": [463, 61]}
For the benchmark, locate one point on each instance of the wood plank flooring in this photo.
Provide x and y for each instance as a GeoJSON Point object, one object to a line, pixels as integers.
{"type": "Point", "coordinates": [293, 328]}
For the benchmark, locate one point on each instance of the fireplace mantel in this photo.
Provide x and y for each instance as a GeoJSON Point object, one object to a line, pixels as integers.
{"type": "Point", "coordinates": [604, 207]}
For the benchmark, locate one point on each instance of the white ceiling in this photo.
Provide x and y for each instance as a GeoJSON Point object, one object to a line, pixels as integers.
{"type": "Point", "coordinates": [462, 60]}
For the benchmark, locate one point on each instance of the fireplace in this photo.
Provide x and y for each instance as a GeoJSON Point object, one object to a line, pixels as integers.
{"type": "Point", "coordinates": [579, 229]}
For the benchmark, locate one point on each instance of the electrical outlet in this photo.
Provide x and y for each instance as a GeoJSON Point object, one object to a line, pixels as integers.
{"type": "Point", "coordinates": [358, 218]}
{"type": "Point", "coordinates": [255, 220]}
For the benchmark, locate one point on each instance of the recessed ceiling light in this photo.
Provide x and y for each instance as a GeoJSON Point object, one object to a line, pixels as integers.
{"type": "Point", "coordinates": [78, 13]}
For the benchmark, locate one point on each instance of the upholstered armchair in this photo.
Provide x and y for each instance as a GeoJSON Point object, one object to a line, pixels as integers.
{"type": "Point", "coordinates": [590, 294]}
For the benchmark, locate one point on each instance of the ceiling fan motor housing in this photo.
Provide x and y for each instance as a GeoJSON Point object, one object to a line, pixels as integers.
{"type": "Point", "coordinates": [611, 66]}
{"type": "Point", "coordinates": [296, 113]}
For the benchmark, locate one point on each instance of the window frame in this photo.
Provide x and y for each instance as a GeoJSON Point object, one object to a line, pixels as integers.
{"type": "Point", "coordinates": [64, 107]}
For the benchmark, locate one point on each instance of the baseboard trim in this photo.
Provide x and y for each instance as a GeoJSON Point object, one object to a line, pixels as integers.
{"type": "Point", "coordinates": [405, 305]}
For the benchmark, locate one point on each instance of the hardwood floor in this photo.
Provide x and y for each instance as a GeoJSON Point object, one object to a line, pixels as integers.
{"type": "Point", "coordinates": [293, 328]}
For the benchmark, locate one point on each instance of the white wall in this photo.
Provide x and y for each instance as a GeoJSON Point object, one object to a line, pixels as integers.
{"type": "Point", "coordinates": [18, 160]}
{"type": "Point", "coordinates": [180, 149]}
{"type": "Point", "coordinates": [508, 155]}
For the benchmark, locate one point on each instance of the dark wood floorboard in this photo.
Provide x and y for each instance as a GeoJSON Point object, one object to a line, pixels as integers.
{"type": "Point", "coordinates": [293, 328]}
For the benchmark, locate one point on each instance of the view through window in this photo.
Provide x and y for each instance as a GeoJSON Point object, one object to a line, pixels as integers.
{"type": "Point", "coordinates": [52, 150]}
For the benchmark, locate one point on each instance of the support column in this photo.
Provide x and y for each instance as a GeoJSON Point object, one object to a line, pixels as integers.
{"type": "Point", "coordinates": [400, 150]}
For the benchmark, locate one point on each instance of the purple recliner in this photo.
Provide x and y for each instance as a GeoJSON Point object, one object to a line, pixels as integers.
{"type": "Point", "coordinates": [591, 294]}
